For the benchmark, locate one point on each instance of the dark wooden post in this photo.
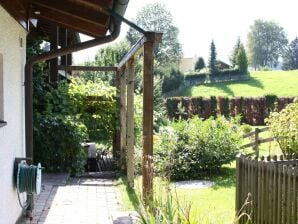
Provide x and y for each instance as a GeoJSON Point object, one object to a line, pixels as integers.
{"type": "Point", "coordinates": [117, 138]}
{"type": "Point", "coordinates": [147, 168]}
{"type": "Point", "coordinates": [54, 42]}
{"type": "Point", "coordinates": [130, 124]}
{"type": "Point", "coordinates": [122, 117]}
{"type": "Point", "coordinates": [257, 130]}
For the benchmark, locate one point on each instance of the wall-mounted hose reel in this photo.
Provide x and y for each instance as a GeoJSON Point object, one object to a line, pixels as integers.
{"type": "Point", "coordinates": [27, 180]}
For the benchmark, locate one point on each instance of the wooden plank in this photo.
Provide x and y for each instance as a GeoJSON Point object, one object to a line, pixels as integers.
{"type": "Point", "coordinates": [54, 43]}
{"type": "Point", "coordinates": [133, 52]}
{"type": "Point", "coordinates": [275, 194]}
{"type": "Point", "coordinates": [238, 184]}
{"type": "Point", "coordinates": [137, 48]}
{"type": "Point", "coordinates": [70, 22]}
{"type": "Point", "coordinates": [284, 194]}
{"type": "Point", "coordinates": [279, 196]}
{"type": "Point", "coordinates": [256, 148]}
{"type": "Point", "coordinates": [262, 190]}
{"type": "Point", "coordinates": [248, 145]}
{"type": "Point", "coordinates": [117, 147]}
{"type": "Point", "coordinates": [289, 195]}
{"type": "Point", "coordinates": [294, 195]}
{"type": "Point", "coordinates": [259, 192]}
{"type": "Point", "coordinates": [75, 11]}
{"type": "Point", "coordinates": [264, 129]}
{"type": "Point", "coordinates": [130, 124]}
{"type": "Point", "coordinates": [147, 168]}
{"type": "Point", "coordinates": [266, 140]}
{"type": "Point", "coordinates": [248, 134]}
{"type": "Point", "coordinates": [122, 119]}
{"type": "Point", "coordinates": [89, 68]}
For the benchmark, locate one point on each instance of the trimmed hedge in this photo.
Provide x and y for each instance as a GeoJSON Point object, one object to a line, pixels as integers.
{"type": "Point", "coordinates": [253, 110]}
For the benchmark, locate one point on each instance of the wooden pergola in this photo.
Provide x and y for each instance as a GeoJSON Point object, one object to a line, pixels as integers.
{"type": "Point", "coordinates": [100, 19]}
{"type": "Point", "coordinates": [125, 88]}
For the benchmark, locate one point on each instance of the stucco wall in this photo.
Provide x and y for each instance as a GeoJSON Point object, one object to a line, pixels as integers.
{"type": "Point", "coordinates": [12, 136]}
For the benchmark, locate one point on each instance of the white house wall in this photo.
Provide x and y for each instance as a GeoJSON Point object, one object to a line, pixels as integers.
{"type": "Point", "coordinates": [12, 136]}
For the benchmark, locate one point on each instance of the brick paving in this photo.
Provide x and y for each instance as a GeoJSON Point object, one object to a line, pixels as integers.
{"type": "Point", "coordinates": [66, 200]}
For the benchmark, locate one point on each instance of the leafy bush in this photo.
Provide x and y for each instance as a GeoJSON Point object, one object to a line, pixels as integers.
{"type": "Point", "coordinates": [57, 143]}
{"type": "Point", "coordinates": [172, 81]}
{"type": "Point", "coordinates": [284, 126]}
{"type": "Point", "coordinates": [193, 148]}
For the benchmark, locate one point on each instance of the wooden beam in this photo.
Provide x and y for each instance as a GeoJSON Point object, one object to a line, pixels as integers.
{"type": "Point", "coordinates": [147, 168]}
{"type": "Point", "coordinates": [75, 11]}
{"type": "Point", "coordinates": [97, 4]}
{"type": "Point", "coordinates": [117, 144]}
{"type": "Point", "coordinates": [122, 118]}
{"type": "Point", "coordinates": [130, 124]}
{"type": "Point", "coordinates": [133, 52]}
{"type": "Point", "coordinates": [89, 68]}
{"type": "Point", "coordinates": [74, 23]}
{"type": "Point", "coordinates": [54, 42]}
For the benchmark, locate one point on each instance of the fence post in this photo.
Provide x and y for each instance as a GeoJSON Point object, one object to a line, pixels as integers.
{"type": "Point", "coordinates": [256, 148]}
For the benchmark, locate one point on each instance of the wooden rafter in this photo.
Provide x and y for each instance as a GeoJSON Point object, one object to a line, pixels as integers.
{"type": "Point", "coordinates": [74, 23]}
{"type": "Point", "coordinates": [71, 10]}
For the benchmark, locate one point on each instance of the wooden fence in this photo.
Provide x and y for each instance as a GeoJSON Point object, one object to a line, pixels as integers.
{"type": "Point", "coordinates": [272, 185]}
{"type": "Point", "coordinates": [257, 140]}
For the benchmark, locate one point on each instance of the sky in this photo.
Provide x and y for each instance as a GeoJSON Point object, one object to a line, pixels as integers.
{"type": "Point", "coordinates": [199, 22]}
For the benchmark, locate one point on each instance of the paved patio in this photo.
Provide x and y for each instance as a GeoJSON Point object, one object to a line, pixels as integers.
{"type": "Point", "coordinates": [83, 200]}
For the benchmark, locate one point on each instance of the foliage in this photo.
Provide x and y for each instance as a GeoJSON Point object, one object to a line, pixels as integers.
{"type": "Point", "coordinates": [156, 17]}
{"type": "Point", "coordinates": [241, 59]}
{"type": "Point", "coordinates": [253, 110]}
{"type": "Point", "coordinates": [233, 57]}
{"type": "Point", "coordinates": [284, 126]}
{"type": "Point", "coordinates": [223, 106]}
{"type": "Point", "coordinates": [193, 148]}
{"type": "Point", "coordinates": [266, 42]}
{"type": "Point", "coordinates": [212, 59]}
{"type": "Point", "coordinates": [290, 57]}
{"type": "Point", "coordinates": [200, 64]}
{"type": "Point", "coordinates": [92, 103]}
{"type": "Point", "coordinates": [280, 83]}
{"type": "Point", "coordinates": [57, 142]}
{"type": "Point", "coordinates": [172, 81]}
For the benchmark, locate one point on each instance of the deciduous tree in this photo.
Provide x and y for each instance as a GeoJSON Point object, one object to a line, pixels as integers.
{"type": "Point", "coordinates": [290, 57]}
{"type": "Point", "coordinates": [155, 17]}
{"type": "Point", "coordinates": [266, 42]}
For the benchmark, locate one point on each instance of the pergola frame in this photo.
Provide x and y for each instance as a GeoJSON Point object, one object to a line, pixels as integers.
{"type": "Point", "coordinates": [125, 89]}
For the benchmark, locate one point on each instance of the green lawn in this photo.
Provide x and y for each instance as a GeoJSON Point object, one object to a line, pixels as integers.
{"type": "Point", "coordinates": [281, 83]}
{"type": "Point", "coordinates": [212, 205]}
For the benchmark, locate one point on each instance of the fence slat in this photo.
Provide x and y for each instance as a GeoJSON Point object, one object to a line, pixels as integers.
{"type": "Point", "coordinates": [272, 186]}
{"type": "Point", "coordinates": [294, 196]}
{"type": "Point", "coordinates": [284, 194]}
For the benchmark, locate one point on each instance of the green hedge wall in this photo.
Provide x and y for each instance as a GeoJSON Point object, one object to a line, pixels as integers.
{"type": "Point", "coordinates": [253, 110]}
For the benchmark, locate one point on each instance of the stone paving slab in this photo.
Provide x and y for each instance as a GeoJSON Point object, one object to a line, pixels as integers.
{"type": "Point", "coordinates": [65, 200]}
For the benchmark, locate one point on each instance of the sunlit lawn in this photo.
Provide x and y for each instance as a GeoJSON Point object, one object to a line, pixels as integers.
{"type": "Point", "coordinates": [215, 204]}
{"type": "Point", "coordinates": [280, 83]}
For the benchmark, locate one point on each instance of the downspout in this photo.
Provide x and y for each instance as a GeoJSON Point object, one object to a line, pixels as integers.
{"type": "Point", "coordinates": [46, 56]}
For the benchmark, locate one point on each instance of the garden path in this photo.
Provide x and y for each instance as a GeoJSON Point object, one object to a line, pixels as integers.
{"type": "Point", "coordinates": [65, 200]}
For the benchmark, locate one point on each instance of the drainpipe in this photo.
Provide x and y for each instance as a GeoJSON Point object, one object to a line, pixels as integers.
{"type": "Point", "coordinates": [46, 56]}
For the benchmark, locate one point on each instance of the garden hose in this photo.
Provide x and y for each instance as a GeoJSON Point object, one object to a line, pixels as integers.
{"type": "Point", "coordinates": [28, 180]}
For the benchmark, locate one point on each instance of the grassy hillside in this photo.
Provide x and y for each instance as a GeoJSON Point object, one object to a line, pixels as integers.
{"type": "Point", "coordinates": [281, 83]}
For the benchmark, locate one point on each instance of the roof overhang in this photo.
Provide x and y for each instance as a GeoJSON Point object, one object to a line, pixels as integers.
{"type": "Point", "coordinates": [90, 17]}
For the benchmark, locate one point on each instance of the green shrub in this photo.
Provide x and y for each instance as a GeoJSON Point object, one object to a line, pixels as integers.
{"type": "Point", "coordinates": [172, 81]}
{"type": "Point", "coordinates": [57, 144]}
{"type": "Point", "coordinates": [194, 148]}
{"type": "Point", "coordinates": [284, 126]}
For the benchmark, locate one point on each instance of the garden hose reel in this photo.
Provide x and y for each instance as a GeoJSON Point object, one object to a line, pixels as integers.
{"type": "Point", "coordinates": [27, 180]}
